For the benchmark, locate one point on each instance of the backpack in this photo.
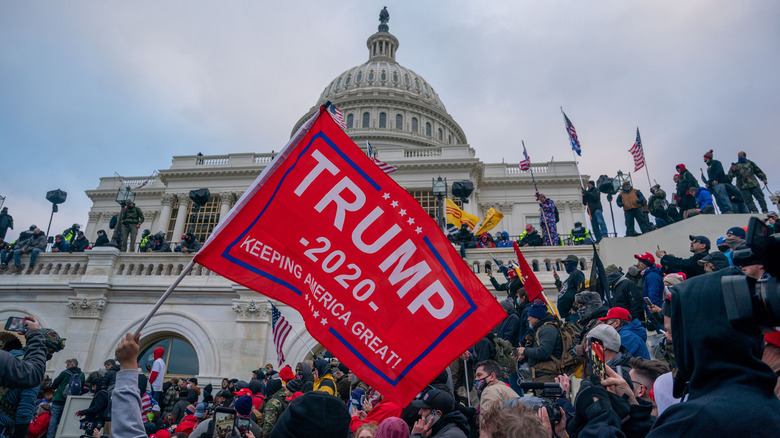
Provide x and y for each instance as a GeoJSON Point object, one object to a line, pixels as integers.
{"type": "Point", "coordinates": [504, 352]}
{"type": "Point", "coordinates": [567, 364]}
{"type": "Point", "coordinates": [557, 215]}
{"type": "Point", "coordinates": [73, 386]}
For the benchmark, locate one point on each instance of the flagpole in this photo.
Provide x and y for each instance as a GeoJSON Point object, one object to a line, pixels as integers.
{"type": "Point", "coordinates": [541, 209]}
{"type": "Point", "coordinates": [165, 296]}
{"type": "Point", "coordinates": [297, 333]}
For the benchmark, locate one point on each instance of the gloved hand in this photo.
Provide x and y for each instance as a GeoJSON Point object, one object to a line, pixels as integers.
{"type": "Point", "coordinates": [592, 399]}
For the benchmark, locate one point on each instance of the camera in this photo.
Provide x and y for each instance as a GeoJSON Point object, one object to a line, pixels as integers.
{"type": "Point", "coordinates": [549, 393]}
{"type": "Point", "coordinates": [752, 303]}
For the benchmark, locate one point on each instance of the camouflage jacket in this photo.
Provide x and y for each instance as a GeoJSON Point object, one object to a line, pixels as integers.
{"type": "Point", "coordinates": [657, 200]}
{"type": "Point", "coordinates": [746, 174]}
{"type": "Point", "coordinates": [272, 410]}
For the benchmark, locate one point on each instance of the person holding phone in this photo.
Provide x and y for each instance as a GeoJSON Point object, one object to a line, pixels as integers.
{"type": "Point", "coordinates": [27, 372]}
{"type": "Point", "coordinates": [439, 418]}
{"type": "Point", "coordinates": [615, 355]}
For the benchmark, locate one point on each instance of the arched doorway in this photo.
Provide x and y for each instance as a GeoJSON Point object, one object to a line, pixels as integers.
{"type": "Point", "coordinates": [180, 357]}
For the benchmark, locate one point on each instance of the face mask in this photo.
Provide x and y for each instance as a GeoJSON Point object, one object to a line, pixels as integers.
{"type": "Point", "coordinates": [479, 384]}
{"type": "Point", "coordinates": [742, 160]}
{"type": "Point", "coordinates": [581, 312]}
{"type": "Point", "coordinates": [570, 267]}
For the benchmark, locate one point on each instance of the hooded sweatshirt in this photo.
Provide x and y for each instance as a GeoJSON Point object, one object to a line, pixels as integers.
{"type": "Point", "coordinates": [158, 370]}
{"type": "Point", "coordinates": [634, 337]}
{"type": "Point", "coordinates": [730, 390]}
{"type": "Point", "coordinates": [307, 377]}
{"type": "Point", "coordinates": [325, 382]}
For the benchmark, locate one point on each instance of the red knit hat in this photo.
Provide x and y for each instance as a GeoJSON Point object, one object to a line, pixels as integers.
{"type": "Point", "coordinates": [286, 373]}
{"type": "Point", "coordinates": [708, 155]}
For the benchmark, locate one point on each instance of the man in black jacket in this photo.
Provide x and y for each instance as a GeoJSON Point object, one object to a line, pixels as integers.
{"type": "Point", "coordinates": [700, 247]}
{"type": "Point", "coordinates": [624, 293]}
{"type": "Point", "coordinates": [546, 345]}
{"type": "Point", "coordinates": [510, 287]}
{"type": "Point", "coordinates": [97, 407]}
{"type": "Point", "coordinates": [730, 390]}
{"type": "Point", "coordinates": [716, 182]}
{"type": "Point", "coordinates": [569, 288]}
{"type": "Point", "coordinates": [592, 199]}
{"type": "Point", "coordinates": [465, 239]}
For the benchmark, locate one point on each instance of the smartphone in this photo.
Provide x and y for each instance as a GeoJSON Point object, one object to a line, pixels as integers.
{"type": "Point", "coordinates": [648, 302]}
{"type": "Point", "coordinates": [242, 426]}
{"type": "Point", "coordinates": [223, 422]}
{"type": "Point", "coordinates": [597, 358]}
{"type": "Point", "coordinates": [16, 324]}
{"type": "Point", "coordinates": [433, 415]}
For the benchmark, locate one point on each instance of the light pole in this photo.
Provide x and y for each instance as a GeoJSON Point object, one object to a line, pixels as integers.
{"type": "Point", "coordinates": [199, 198]}
{"type": "Point", "coordinates": [123, 196]}
{"type": "Point", "coordinates": [439, 187]}
{"type": "Point", "coordinates": [2, 201]}
{"type": "Point", "coordinates": [55, 197]}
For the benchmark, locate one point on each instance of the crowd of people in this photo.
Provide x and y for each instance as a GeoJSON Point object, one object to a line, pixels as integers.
{"type": "Point", "coordinates": [72, 240]}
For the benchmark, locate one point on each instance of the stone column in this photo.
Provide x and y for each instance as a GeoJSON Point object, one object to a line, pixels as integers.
{"type": "Point", "coordinates": [507, 223]}
{"type": "Point", "coordinates": [92, 225]}
{"type": "Point", "coordinates": [227, 199]}
{"type": "Point", "coordinates": [181, 217]}
{"type": "Point", "coordinates": [162, 221]}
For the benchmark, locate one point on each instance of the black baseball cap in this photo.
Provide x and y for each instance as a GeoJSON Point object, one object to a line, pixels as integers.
{"type": "Point", "coordinates": [436, 399]}
{"type": "Point", "coordinates": [701, 239]}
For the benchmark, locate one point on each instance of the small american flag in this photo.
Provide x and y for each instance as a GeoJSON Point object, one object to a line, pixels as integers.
{"type": "Point", "coordinates": [337, 116]}
{"type": "Point", "coordinates": [386, 168]}
{"type": "Point", "coordinates": [638, 152]}
{"type": "Point", "coordinates": [525, 165]}
{"type": "Point", "coordinates": [575, 142]}
{"type": "Point", "coordinates": [281, 328]}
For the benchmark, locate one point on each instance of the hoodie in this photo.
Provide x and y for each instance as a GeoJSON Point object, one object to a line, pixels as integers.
{"type": "Point", "coordinates": [503, 241]}
{"type": "Point", "coordinates": [730, 390]}
{"type": "Point", "coordinates": [703, 198]}
{"type": "Point", "coordinates": [325, 382]}
{"type": "Point", "coordinates": [653, 286]}
{"type": "Point", "coordinates": [451, 425]}
{"type": "Point", "coordinates": [158, 370]}
{"type": "Point", "coordinates": [306, 376]}
{"type": "Point", "coordinates": [634, 337]}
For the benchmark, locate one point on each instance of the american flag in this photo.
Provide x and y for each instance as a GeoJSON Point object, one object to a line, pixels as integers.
{"type": "Point", "coordinates": [335, 113]}
{"type": "Point", "coordinates": [525, 165]}
{"type": "Point", "coordinates": [638, 152]}
{"type": "Point", "coordinates": [575, 142]}
{"type": "Point", "coordinates": [386, 168]}
{"type": "Point", "coordinates": [281, 328]}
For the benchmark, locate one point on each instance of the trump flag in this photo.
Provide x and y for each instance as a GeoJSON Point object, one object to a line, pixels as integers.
{"type": "Point", "coordinates": [325, 231]}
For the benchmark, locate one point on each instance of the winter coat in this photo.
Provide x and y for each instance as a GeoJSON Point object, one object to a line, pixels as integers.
{"type": "Point", "coordinates": [192, 245]}
{"type": "Point", "coordinates": [509, 328]}
{"type": "Point", "coordinates": [703, 198]}
{"type": "Point", "coordinates": [161, 246]}
{"type": "Point", "coordinates": [464, 235]}
{"type": "Point", "coordinates": [629, 203]}
{"type": "Point", "coordinates": [109, 378]}
{"type": "Point", "coordinates": [621, 364]}
{"type": "Point", "coordinates": [97, 407]}
{"type": "Point", "coordinates": [689, 266]}
{"type": "Point", "coordinates": [592, 198]}
{"type": "Point", "coordinates": [653, 285]}
{"type": "Point", "coordinates": [746, 174]}
{"type": "Point", "coordinates": [634, 337]}
{"type": "Point", "coordinates": [531, 239]}
{"type": "Point", "coordinates": [511, 287]}
{"type": "Point", "coordinates": [61, 246]}
{"type": "Point", "coordinates": [79, 244]}
{"type": "Point", "coordinates": [35, 241]}
{"type": "Point", "coordinates": [549, 342]}
{"type": "Point", "coordinates": [626, 294]}
{"type": "Point", "coordinates": [686, 181]}
{"type": "Point", "coordinates": [485, 241]}
{"type": "Point", "coordinates": [575, 283]}
{"type": "Point", "coordinates": [503, 241]}
{"type": "Point", "coordinates": [325, 382]}
{"type": "Point", "coordinates": [180, 409]}
{"type": "Point", "coordinates": [6, 221]}
{"type": "Point", "coordinates": [730, 390]}
{"type": "Point", "coordinates": [656, 202]}
{"type": "Point", "coordinates": [126, 406]}
{"type": "Point", "coordinates": [385, 409]}
{"type": "Point", "coordinates": [715, 173]}
{"type": "Point", "coordinates": [132, 216]}
{"type": "Point", "coordinates": [39, 426]}
{"type": "Point", "coordinates": [306, 376]}
{"type": "Point", "coordinates": [735, 196]}
{"type": "Point", "coordinates": [188, 424]}
{"type": "Point", "coordinates": [61, 383]}
{"type": "Point", "coordinates": [102, 240]}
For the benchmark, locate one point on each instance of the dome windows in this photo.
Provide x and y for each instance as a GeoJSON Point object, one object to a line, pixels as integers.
{"type": "Point", "coordinates": [351, 121]}
{"type": "Point", "coordinates": [441, 135]}
{"type": "Point", "coordinates": [366, 119]}
{"type": "Point", "coordinates": [414, 124]}
{"type": "Point", "coordinates": [382, 120]}
{"type": "Point", "coordinates": [417, 84]}
{"type": "Point", "coordinates": [407, 81]}
{"type": "Point", "coordinates": [338, 84]}
{"type": "Point", "coordinates": [359, 77]}
{"type": "Point", "coordinates": [348, 80]}
{"type": "Point", "coordinates": [399, 121]}
{"type": "Point", "coordinates": [383, 76]}
{"type": "Point", "coordinates": [395, 77]}
{"type": "Point", "coordinates": [371, 75]}
{"type": "Point", "coordinates": [427, 129]}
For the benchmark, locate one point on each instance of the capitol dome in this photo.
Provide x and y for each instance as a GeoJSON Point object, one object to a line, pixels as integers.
{"type": "Point", "coordinates": [386, 102]}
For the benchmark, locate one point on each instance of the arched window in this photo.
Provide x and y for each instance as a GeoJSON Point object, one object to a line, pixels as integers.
{"type": "Point", "coordinates": [427, 129]}
{"type": "Point", "coordinates": [382, 120]}
{"type": "Point", "coordinates": [180, 358]}
{"type": "Point", "coordinates": [366, 119]}
{"type": "Point", "coordinates": [350, 121]}
{"type": "Point", "coordinates": [399, 121]}
{"type": "Point", "coordinates": [441, 135]}
{"type": "Point", "coordinates": [414, 124]}
{"type": "Point", "coordinates": [449, 137]}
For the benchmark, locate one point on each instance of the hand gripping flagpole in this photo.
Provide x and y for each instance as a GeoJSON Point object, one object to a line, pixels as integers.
{"type": "Point", "coordinates": [165, 296]}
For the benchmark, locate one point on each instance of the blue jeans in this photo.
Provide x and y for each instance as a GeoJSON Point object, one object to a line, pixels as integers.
{"type": "Point", "coordinates": [18, 256]}
{"type": "Point", "coordinates": [599, 226]}
{"type": "Point", "coordinates": [54, 420]}
{"type": "Point", "coordinates": [5, 256]}
{"type": "Point", "coordinates": [721, 197]}
{"type": "Point", "coordinates": [740, 207]}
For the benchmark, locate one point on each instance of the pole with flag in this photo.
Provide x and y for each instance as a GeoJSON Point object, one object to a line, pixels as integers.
{"type": "Point", "coordinates": [386, 168]}
{"type": "Point", "coordinates": [638, 152]}
{"type": "Point", "coordinates": [531, 284]}
{"type": "Point", "coordinates": [279, 324]}
{"type": "Point", "coordinates": [536, 189]}
{"type": "Point", "coordinates": [575, 144]}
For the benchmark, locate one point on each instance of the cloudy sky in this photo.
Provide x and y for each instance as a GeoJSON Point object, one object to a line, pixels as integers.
{"type": "Point", "coordinates": [91, 88]}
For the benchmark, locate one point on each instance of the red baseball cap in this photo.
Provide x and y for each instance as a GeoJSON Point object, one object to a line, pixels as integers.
{"type": "Point", "coordinates": [243, 391]}
{"type": "Point", "coordinates": [646, 257]}
{"type": "Point", "coordinates": [529, 227]}
{"type": "Point", "coordinates": [617, 313]}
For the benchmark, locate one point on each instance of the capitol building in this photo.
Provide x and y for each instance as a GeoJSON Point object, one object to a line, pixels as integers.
{"type": "Point", "coordinates": [212, 327]}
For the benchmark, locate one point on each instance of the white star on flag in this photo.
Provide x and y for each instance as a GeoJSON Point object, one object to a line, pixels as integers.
{"type": "Point", "coordinates": [410, 221]}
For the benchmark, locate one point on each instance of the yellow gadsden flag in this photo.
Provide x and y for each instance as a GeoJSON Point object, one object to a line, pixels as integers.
{"type": "Point", "coordinates": [492, 218]}
{"type": "Point", "coordinates": [456, 216]}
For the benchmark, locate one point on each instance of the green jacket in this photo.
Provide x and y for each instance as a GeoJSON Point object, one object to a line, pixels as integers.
{"type": "Point", "coordinates": [132, 216]}
{"type": "Point", "coordinates": [657, 200]}
{"type": "Point", "coordinates": [272, 410]}
{"type": "Point", "coordinates": [61, 383]}
{"type": "Point", "coordinates": [746, 174]}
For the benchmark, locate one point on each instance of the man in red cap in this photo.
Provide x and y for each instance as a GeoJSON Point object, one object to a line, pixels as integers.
{"type": "Point", "coordinates": [632, 333]}
{"type": "Point", "coordinates": [653, 284]}
{"type": "Point", "coordinates": [530, 237]}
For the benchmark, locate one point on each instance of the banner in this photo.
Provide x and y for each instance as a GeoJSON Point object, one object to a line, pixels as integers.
{"type": "Point", "coordinates": [492, 218]}
{"type": "Point", "coordinates": [325, 231]}
{"type": "Point", "coordinates": [458, 217]}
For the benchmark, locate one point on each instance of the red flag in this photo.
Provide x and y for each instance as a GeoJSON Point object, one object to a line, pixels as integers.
{"type": "Point", "coordinates": [531, 284]}
{"type": "Point", "coordinates": [325, 231]}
